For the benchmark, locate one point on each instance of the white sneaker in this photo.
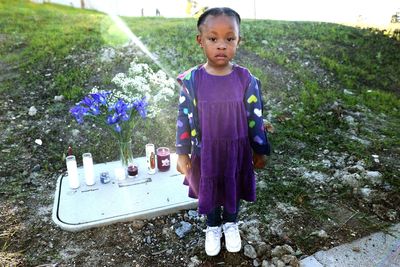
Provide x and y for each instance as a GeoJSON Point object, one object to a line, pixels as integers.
{"type": "Point", "coordinates": [233, 242]}
{"type": "Point", "coordinates": [213, 240]}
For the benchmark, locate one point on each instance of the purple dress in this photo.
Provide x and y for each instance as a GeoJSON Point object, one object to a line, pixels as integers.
{"type": "Point", "coordinates": [223, 173]}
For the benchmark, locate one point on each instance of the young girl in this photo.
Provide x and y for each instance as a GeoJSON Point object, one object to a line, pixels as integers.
{"type": "Point", "coordinates": [220, 125]}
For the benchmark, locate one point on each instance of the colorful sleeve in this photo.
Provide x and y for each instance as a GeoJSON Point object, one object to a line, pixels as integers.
{"type": "Point", "coordinates": [183, 141]}
{"type": "Point", "coordinates": [254, 107]}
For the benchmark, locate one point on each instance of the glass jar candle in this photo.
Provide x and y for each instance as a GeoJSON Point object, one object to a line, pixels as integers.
{"type": "Point", "coordinates": [163, 159]}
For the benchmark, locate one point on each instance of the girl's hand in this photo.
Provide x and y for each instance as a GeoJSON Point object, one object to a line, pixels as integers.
{"type": "Point", "coordinates": [259, 161]}
{"type": "Point", "coordinates": [183, 164]}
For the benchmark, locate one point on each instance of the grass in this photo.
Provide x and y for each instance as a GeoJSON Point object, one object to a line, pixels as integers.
{"type": "Point", "coordinates": [46, 40]}
{"type": "Point", "coordinates": [335, 71]}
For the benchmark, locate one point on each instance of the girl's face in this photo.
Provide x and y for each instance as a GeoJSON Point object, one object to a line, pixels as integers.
{"type": "Point", "coordinates": [219, 38]}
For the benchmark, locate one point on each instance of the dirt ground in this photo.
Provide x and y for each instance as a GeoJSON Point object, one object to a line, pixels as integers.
{"type": "Point", "coordinates": [29, 237]}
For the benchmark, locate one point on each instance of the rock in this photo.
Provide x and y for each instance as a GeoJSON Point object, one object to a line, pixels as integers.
{"type": "Point", "coordinates": [107, 54]}
{"type": "Point", "coordinates": [392, 215]}
{"type": "Point", "coordinates": [320, 233]}
{"type": "Point", "coordinates": [251, 223]}
{"type": "Point", "coordinates": [75, 132]}
{"type": "Point", "coordinates": [250, 252]}
{"type": "Point", "coordinates": [287, 208]}
{"type": "Point", "coordinates": [365, 193]}
{"type": "Point", "coordinates": [315, 176]}
{"type": "Point", "coordinates": [355, 169]}
{"type": "Point", "coordinates": [193, 215]}
{"type": "Point", "coordinates": [58, 98]}
{"type": "Point", "coordinates": [277, 262]}
{"type": "Point", "coordinates": [350, 120]}
{"type": "Point", "coordinates": [360, 140]}
{"type": "Point", "coordinates": [347, 92]}
{"type": "Point", "coordinates": [375, 158]}
{"type": "Point", "coordinates": [251, 231]}
{"type": "Point", "coordinates": [266, 263]}
{"type": "Point", "coordinates": [32, 111]}
{"type": "Point", "coordinates": [137, 225]}
{"type": "Point", "coordinates": [166, 231]}
{"type": "Point", "coordinates": [290, 259]}
{"type": "Point", "coordinates": [374, 176]}
{"type": "Point", "coordinates": [36, 168]}
{"type": "Point", "coordinates": [183, 229]}
{"type": "Point", "coordinates": [148, 240]}
{"type": "Point", "coordinates": [327, 163]}
{"type": "Point", "coordinates": [256, 263]}
{"type": "Point", "coordinates": [276, 227]}
{"type": "Point", "coordinates": [38, 142]}
{"type": "Point", "coordinates": [263, 250]}
{"type": "Point", "coordinates": [351, 179]}
{"type": "Point", "coordinates": [194, 261]}
{"type": "Point", "coordinates": [340, 162]}
{"type": "Point", "coordinates": [262, 184]}
{"type": "Point", "coordinates": [253, 234]}
{"type": "Point", "coordinates": [279, 251]}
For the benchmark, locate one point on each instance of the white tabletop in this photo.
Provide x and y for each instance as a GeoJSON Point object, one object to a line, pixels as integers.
{"type": "Point", "coordinates": [143, 197]}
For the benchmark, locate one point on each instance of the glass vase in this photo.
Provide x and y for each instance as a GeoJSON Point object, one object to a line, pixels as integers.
{"type": "Point", "coordinates": [126, 155]}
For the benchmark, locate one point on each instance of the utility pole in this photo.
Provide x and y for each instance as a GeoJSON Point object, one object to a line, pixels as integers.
{"type": "Point", "coordinates": [255, 14]}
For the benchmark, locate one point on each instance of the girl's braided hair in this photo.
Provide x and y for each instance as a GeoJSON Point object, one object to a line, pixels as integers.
{"type": "Point", "coordinates": [216, 11]}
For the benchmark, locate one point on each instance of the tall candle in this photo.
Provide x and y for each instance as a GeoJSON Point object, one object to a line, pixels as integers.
{"type": "Point", "coordinates": [72, 169]}
{"type": "Point", "coordinates": [88, 168]}
{"type": "Point", "coordinates": [150, 159]}
{"type": "Point", "coordinates": [163, 159]}
{"type": "Point", "coordinates": [120, 173]}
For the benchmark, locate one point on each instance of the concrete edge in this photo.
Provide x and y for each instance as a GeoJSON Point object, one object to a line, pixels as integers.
{"type": "Point", "coordinates": [310, 261]}
{"type": "Point", "coordinates": [148, 214]}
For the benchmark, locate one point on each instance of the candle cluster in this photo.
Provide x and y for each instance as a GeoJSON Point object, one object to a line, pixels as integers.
{"type": "Point", "coordinates": [159, 158]}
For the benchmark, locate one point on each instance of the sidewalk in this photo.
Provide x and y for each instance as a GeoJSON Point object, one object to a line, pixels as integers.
{"type": "Point", "coordinates": [376, 250]}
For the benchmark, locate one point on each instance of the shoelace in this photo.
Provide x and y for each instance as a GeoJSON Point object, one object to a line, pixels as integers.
{"type": "Point", "coordinates": [231, 229]}
{"type": "Point", "coordinates": [215, 233]}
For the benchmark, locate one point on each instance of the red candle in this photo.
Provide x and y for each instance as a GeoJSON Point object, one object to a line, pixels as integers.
{"type": "Point", "coordinates": [132, 170]}
{"type": "Point", "coordinates": [163, 159]}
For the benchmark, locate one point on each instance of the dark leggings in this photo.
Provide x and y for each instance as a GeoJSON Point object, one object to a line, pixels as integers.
{"type": "Point", "coordinates": [214, 217]}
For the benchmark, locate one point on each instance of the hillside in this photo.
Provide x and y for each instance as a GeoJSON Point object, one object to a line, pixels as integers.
{"type": "Point", "coordinates": [331, 94]}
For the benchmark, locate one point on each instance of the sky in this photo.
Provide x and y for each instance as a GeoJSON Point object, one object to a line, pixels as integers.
{"type": "Point", "coordinates": [377, 12]}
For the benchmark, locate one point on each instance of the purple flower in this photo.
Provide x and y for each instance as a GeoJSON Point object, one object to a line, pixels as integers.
{"type": "Point", "coordinates": [97, 106]}
{"type": "Point", "coordinates": [121, 109]}
{"type": "Point", "coordinates": [141, 106]}
{"type": "Point", "coordinates": [78, 112]}
{"type": "Point", "coordinates": [100, 97]}
{"type": "Point", "coordinates": [92, 104]}
{"type": "Point", "coordinates": [117, 128]}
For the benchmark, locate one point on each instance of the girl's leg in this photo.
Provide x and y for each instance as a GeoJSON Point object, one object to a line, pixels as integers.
{"type": "Point", "coordinates": [231, 217]}
{"type": "Point", "coordinates": [230, 227]}
{"type": "Point", "coordinates": [214, 217]}
{"type": "Point", "coordinates": [213, 232]}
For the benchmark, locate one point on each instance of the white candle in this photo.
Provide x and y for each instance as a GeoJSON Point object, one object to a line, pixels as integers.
{"type": "Point", "coordinates": [120, 173]}
{"type": "Point", "coordinates": [88, 168]}
{"type": "Point", "coordinates": [72, 169]}
{"type": "Point", "coordinates": [151, 159]}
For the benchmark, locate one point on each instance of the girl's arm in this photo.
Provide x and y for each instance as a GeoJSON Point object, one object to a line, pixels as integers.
{"type": "Point", "coordinates": [183, 141]}
{"type": "Point", "coordinates": [254, 106]}
{"type": "Point", "coordinates": [183, 165]}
